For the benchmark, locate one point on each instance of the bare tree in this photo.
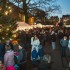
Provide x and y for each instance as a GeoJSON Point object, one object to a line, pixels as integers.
{"type": "Point", "coordinates": [29, 5]}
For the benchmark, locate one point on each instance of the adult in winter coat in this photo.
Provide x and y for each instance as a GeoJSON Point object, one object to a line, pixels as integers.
{"type": "Point", "coordinates": [35, 43]}
{"type": "Point", "coordinates": [53, 40]}
{"type": "Point", "coordinates": [41, 52]}
{"type": "Point", "coordinates": [64, 44]}
{"type": "Point", "coordinates": [61, 34]}
{"type": "Point", "coordinates": [22, 58]}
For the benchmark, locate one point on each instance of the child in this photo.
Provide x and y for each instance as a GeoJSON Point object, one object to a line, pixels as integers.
{"type": "Point", "coordinates": [9, 58]}
{"type": "Point", "coordinates": [2, 67]}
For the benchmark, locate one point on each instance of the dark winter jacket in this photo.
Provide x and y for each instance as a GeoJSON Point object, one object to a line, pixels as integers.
{"type": "Point", "coordinates": [60, 35]}
{"type": "Point", "coordinates": [41, 52]}
{"type": "Point", "coordinates": [53, 38]}
{"type": "Point", "coordinates": [64, 43]}
{"type": "Point", "coordinates": [22, 56]}
{"type": "Point", "coordinates": [1, 51]}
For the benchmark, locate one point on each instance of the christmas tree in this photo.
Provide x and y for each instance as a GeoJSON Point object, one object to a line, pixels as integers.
{"type": "Point", "coordinates": [7, 27]}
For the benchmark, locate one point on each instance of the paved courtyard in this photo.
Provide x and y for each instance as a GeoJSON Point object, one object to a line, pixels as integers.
{"type": "Point", "coordinates": [58, 62]}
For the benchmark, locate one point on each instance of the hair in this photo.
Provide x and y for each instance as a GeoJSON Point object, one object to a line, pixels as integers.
{"type": "Point", "coordinates": [7, 47]}
{"type": "Point", "coordinates": [34, 37]}
{"type": "Point", "coordinates": [1, 61]}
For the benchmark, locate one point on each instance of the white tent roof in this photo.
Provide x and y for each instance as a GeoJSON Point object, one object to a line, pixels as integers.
{"type": "Point", "coordinates": [39, 25]}
{"type": "Point", "coordinates": [23, 26]}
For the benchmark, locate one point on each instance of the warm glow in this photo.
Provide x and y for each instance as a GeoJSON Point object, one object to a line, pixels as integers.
{"type": "Point", "coordinates": [0, 8]}
{"type": "Point", "coordinates": [14, 35]}
{"type": "Point", "coordinates": [0, 30]}
{"type": "Point", "coordinates": [10, 10]}
{"type": "Point", "coordinates": [6, 13]}
{"type": "Point", "coordinates": [31, 20]}
{"type": "Point", "coordinates": [23, 26]}
{"type": "Point", "coordinates": [23, 18]}
{"type": "Point", "coordinates": [39, 25]}
{"type": "Point", "coordinates": [11, 39]}
{"type": "Point", "coordinates": [7, 29]}
{"type": "Point", "coordinates": [15, 42]}
{"type": "Point", "coordinates": [9, 7]}
{"type": "Point", "coordinates": [3, 38]}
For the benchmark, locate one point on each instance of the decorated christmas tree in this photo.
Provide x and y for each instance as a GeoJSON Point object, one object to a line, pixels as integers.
{"type": "Point", "coordinates": [7, 27]}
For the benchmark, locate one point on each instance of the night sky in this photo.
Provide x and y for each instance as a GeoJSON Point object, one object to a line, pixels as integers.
{"type": "Point", "coordinates": [65, 7]}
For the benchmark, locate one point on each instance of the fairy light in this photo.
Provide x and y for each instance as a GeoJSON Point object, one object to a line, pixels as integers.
{"type": "Point", "coordinates": [6, 12]}
{"type": "Point", "coordinates": [10, 10]}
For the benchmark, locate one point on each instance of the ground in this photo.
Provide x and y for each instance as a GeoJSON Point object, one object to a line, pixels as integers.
{"type": "Point", "coordinates": [58, 62]}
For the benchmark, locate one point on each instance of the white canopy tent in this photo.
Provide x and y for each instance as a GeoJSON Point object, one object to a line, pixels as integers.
{"type": "Point", "coordinates": [39, 25]}
{"type": "Point", "coordinates": [23, 26]}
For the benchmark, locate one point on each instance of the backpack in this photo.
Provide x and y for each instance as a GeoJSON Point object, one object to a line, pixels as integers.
{"type": "Point", "coordinates": [15, 59]}
{"type": "Point", "coordinates": [34, 54]}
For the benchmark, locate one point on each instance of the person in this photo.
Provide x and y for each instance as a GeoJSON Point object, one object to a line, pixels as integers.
{"type": "Point", "coordinates": [35, 44]}
{"type": "Point", "coordinates": [2, 67]}
{"type": "Point", "coordinates": [1, 51]}
{"type": "Point", "coordinates": [22, 57]}
{"type": "Point", "coordinates": [16, 49]}
{"type": "Point", "coordinates": [34, 56]}
{"type": "Point", "coordinates": [46, 63]}
{"type": "Point", "coordinates": [69, 43]}
{"type": "Point", "coordinates": [64, 44]}
{"type": "Point", "coordinates": [41, 52]}
{"type": "Point", "coordinates": [61, 34]}
{"type": "Point", "coordinates": [53, 40]}
{"type": "Point", "coordinates": [8, 42]}
{"type": "Point", "coordinates": [9, 58]}
{"type": "Point", "coordinates": [44, 38]}
{"type": "Point", "coordinates": [15, 45]}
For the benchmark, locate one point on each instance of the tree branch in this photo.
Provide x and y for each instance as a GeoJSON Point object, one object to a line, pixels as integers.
{"type": "Point", "coordinates": [28, 1]}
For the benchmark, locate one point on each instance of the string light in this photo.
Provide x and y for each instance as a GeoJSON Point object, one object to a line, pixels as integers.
{"type": "Point", "coordinates": [3, 38]}
{"type": "Point", "coordinates": [10, 10]}
{"type": "Point", "coordinates": [11, 39]}
{"type": "Point", "coordinates": [7, 29]}
{"type": "Point", "coordinates": [14, 35]}
{"type": "Point", "coordinates": [6, 12]}
{"type": "Point", "coordinates": [9, 7]}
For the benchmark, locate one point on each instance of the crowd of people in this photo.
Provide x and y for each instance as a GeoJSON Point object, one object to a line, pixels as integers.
{"type": "Point", "coordinates": [13, 55]}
